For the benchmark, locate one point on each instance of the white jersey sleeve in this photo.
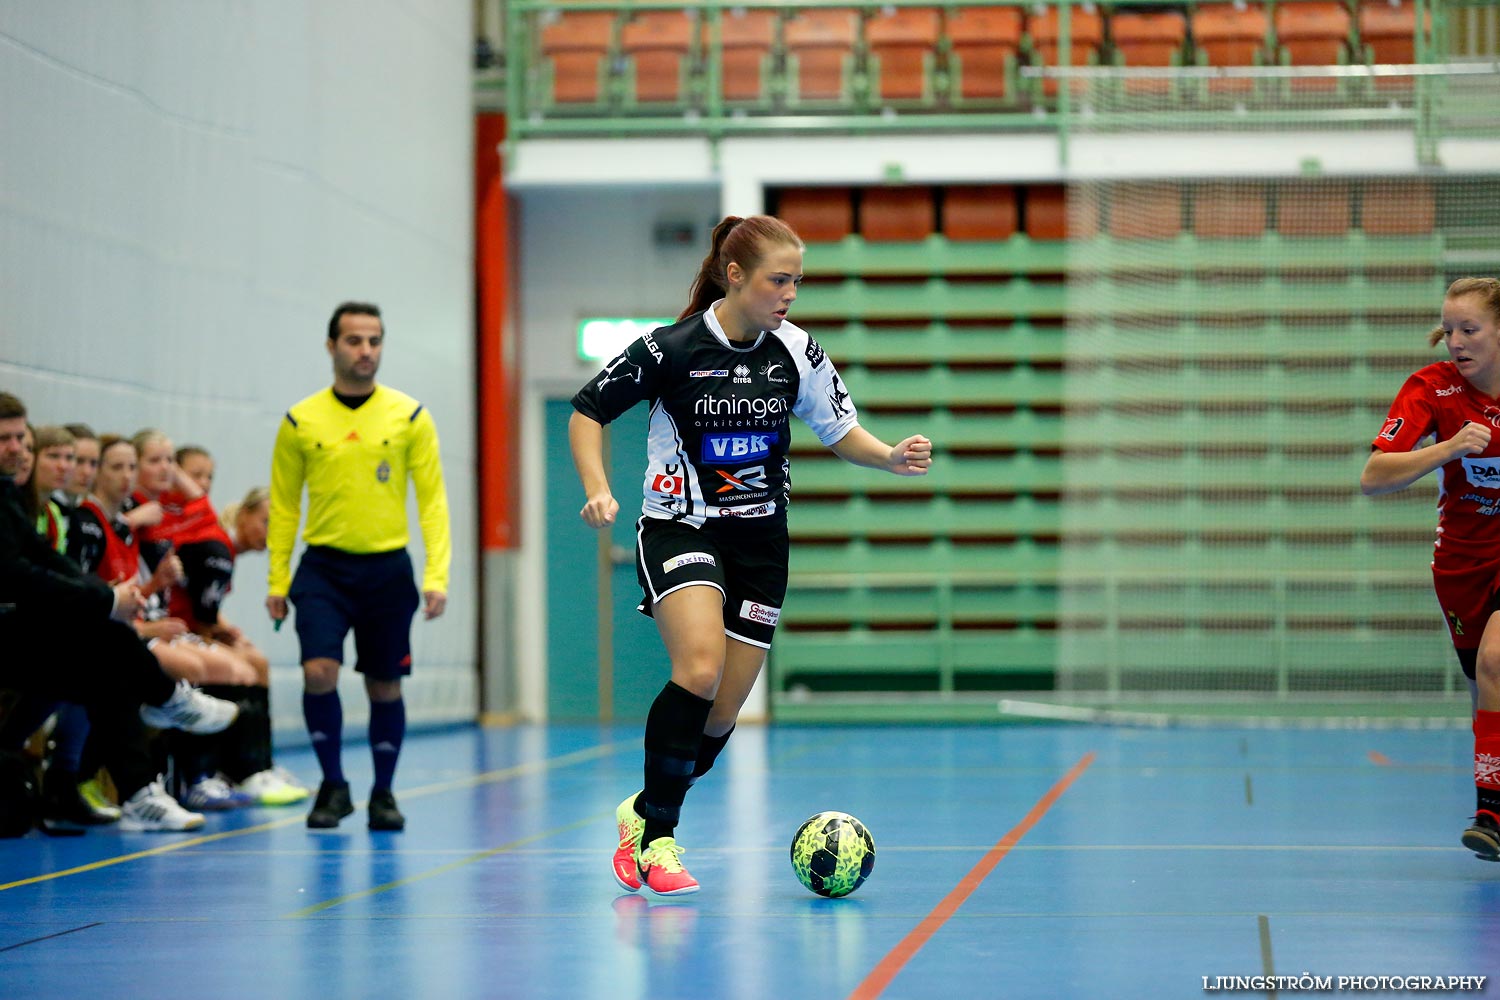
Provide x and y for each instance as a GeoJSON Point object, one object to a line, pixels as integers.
{"type": "Point", "coordinates": [822, 401]}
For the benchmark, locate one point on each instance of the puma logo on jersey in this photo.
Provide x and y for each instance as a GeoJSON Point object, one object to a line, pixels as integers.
{"type": "Point", "coordinates": [618, 370]}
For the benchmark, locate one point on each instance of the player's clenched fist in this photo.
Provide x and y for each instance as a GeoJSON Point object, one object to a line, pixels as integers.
{"type": "Point", "coordinates": [600, 510]}
{"type": "Point", "coordinates": [1472, 438]}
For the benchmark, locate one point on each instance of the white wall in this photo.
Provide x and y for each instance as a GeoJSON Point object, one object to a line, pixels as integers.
{"type": "Point", "coordinates": [188, 188]}
{"type": "Point", "coordinates": [582, 251]}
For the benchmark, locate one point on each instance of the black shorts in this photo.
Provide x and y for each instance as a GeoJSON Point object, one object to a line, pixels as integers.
{"type": "Point", "coordinates": [374, 594]}
{"type": "Point", "coordinates": [745, 561]}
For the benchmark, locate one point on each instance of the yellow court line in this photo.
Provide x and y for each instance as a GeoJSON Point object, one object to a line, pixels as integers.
{"type": "Point", "coordinates": [486, 777]}
{"type": "Point", "coordinates": [329, 904]}
{"type": "Point", "coordinates": [164, 849]}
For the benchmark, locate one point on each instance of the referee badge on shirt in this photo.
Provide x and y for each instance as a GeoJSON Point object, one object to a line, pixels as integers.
{"type": "Point", "coordinates": [383, 471]}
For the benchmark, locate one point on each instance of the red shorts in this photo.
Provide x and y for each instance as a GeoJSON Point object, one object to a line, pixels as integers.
{"type": "Point", "coordinates": [1468, 590]}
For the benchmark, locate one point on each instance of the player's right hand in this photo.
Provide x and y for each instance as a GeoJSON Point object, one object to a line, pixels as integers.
{"type": "Point", "coordinates": [147, 515]}
{"type": "Point", "coordinates": [1472, 438]}
{"type": "Point", "coordinates": [276, 608]}
{"type": "Point", "coordinates": [128, 601]}
{"type": "Point", "coordinates": [600, 511]}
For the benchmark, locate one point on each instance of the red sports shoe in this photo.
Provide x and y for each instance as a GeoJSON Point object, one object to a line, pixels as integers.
{"type": "Point", "coordinates": [662, 871]}
{"type": "Point", "coordinates": [628, 853]}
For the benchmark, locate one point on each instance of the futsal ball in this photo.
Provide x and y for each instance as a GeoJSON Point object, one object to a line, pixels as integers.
{"type": "Point", "coordinates": [833, 854]}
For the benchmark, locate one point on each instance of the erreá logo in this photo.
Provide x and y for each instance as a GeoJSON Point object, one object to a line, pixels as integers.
{"type": "Point", "coordinates": [1483, 472]}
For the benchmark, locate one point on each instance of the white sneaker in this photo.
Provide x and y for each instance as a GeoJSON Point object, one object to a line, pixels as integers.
{"type": "Point", "coordinates": [270, 788]}
{"type": "Point", "coordinates": [152, 810]}
{"type": "Point", "coordinates": [214, 794]}
{"type": "Point", "coordinates": [192, 711]}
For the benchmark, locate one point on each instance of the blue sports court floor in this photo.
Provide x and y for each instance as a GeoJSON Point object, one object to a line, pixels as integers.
{"type": "Point", "coordinates": [1013, 861]}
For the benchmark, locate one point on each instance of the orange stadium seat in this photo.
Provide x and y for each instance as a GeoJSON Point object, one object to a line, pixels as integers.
{"type": "Point", "coordinates": [819, 214]}
{"type": "Point", "coordinates": [820, 42]}
{"type": "Point", "coordinates": [1086, 34]}
{"type": "Point", "coordinates": [1052, 215]}
{"type": "Point", "coordinates": [903, 42]}
{"type": "Point", "coordinates": [979, 212]}
{"type": "Point", "coordinates": [984, 43]}
{"type": "Point", "coordinates": [1314, 34]}
{"type": "Point", "coordinates": [1145, 211]}
{"type": "Point", "coordinates": [657, 44]}
{"type": "Point", "coordinates": [1313, 208]}
{"type": "Point", "coordinates": [1148, 38]}
{"type": "Point", "coordinates": [1229, 34]}
{"type": "Point", "coordinates": [1388, 31]}
{"type": "Point", "coordinates": [1398, 208]}
{"type": "Point", "coordinates": [1229, 209]}
{"type": "Point", "coordinates": [576, 45]}
{"type": "Point", "coordinates": [896, 214]}
{"type": "Point", "coordinates": [748, 39]}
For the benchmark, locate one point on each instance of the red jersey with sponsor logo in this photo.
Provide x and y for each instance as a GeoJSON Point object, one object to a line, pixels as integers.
{"type": "Point", "coordinates": [121, 555]}
{"type": "Point", "coordinates": [1437, 401]}
{"type": "Point", "coordinates": [183, 521]}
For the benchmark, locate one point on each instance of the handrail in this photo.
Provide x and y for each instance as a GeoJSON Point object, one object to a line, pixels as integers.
{"type": "Point", "coordinates": [1062, 115]}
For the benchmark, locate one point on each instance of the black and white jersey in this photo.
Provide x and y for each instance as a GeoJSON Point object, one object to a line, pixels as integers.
{"type": "Point", "coordinates": [720, 414]}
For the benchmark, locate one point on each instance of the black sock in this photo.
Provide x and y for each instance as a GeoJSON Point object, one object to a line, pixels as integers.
{"type": "Point", "coordinates": [674, 733]}
{"type": "Point", "coordinates": [708, 752]}
{"type": "Point", "coordinates": [1489, 800]}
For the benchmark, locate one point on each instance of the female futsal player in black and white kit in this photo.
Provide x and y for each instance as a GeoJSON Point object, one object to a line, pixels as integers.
{"type": "Point", "coordinates": [711, 542]}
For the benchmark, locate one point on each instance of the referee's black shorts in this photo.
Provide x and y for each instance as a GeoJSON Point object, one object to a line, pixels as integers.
{"type": "Point", "coordinates": [745, 560]}
{"type": "Point", "coordinates": [374, 594]}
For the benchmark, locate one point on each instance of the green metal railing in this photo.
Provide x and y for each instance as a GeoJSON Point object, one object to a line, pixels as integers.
{"type": "Point", "coordinates": [703, 111]}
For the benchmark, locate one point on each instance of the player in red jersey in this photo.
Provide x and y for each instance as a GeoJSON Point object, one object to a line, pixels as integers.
{"type": "Point", "coordinates": [1458, 403]}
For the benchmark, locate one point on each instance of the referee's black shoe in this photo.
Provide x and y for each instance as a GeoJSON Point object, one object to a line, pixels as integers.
{"type": "Point", "coordinates": [331, 805]}
{"type": "Point", "coordinates": [1483, 838]}
{"type": "Point", "coordinates": [383, 812]}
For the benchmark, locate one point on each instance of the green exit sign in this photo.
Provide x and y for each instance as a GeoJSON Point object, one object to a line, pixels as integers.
{"type": "Point", "coordinates": [600, 338]}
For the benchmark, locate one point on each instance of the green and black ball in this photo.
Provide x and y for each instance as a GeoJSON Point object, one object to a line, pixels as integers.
{"type": "Point", "coordinates": [833, 854]}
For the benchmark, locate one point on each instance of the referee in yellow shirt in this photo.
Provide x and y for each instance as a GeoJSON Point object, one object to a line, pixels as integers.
{"type": "Point", "coordinates": [354, 446]}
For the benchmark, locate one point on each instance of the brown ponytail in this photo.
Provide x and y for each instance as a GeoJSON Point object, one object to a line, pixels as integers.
{"type": "Point", "coordinates": [1486, 288]}
{"type": "Point", "coordinates": [743, 241]}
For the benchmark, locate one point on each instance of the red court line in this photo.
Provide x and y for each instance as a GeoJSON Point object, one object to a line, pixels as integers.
{"type": "Point", "coordinates": [880, 977]}
{"type": "Point", "coordinates": [1376, 757]}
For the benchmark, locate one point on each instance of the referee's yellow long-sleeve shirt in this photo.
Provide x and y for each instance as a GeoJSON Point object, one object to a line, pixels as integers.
{"type": "Point", "coordinates": [355, 464]}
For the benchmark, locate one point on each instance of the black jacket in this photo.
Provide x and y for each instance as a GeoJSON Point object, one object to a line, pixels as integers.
{"type": "Point", "coordinates": [36, 582]}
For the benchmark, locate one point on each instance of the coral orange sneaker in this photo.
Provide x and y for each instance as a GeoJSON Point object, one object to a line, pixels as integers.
{"type": "Point", "coordinates": [628, 853]}
{"type": "Point", "coordinates": [661, 869]}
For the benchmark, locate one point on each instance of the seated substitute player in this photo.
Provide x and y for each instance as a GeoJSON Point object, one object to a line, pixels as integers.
{"type": "Point", "coordinates": [43, 596]}
{"type": "Point", "coordinates": [1458, 402]}
{"type": "Point", "coordinates": [711, 542]}
{"type": "Point", "coordinates": [355, 446]}
{"type": "Point", "coordinates": [189, 529]}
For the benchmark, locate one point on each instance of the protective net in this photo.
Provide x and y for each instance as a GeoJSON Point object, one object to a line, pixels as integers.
{"type": "Point", "coordinates": [1234, 339]}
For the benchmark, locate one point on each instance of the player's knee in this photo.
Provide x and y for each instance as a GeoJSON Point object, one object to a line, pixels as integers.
{"type": "Point", "coordinates": [1487, 668]}
{"type": "Point", "coordinates": [383, 690]}
{"type": "Point", "coordinates": [699, 675]}
{"type": "Point", "coordinates": [320, 676]}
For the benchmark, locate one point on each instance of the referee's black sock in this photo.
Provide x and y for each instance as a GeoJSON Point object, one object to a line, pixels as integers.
{"type": "Point", "coordinates": [674, 733]}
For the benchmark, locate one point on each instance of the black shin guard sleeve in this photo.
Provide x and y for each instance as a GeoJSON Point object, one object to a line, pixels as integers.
{"type": "Point", "coordinates": [708, 752]}
{"type": "Point", "coordinates": [674, 732]}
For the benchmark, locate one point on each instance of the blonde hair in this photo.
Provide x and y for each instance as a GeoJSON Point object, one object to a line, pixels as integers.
{"type": "Point", "coordinates": [146, 436]}
{"type": "Point", "coordinates": [252, 499]}
{"type": "Point", "coordinates": [1487, 288]}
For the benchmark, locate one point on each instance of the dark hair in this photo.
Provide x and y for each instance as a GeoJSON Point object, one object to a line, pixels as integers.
{"type": "Point", "coordinates": [11, 407]}
{"type": "Point", "coordinates": [189, 450]}
{"type": "Point", "coordinates": [81, 432]}
{"type": "Point", "coordinates": [29, 502]}
{"type": "Point", "coordinates": [1488, 289]}
{"type": "Point", "coordinates": [352, 309]}
{"type": "Point", "coordinates": [743, 241]}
